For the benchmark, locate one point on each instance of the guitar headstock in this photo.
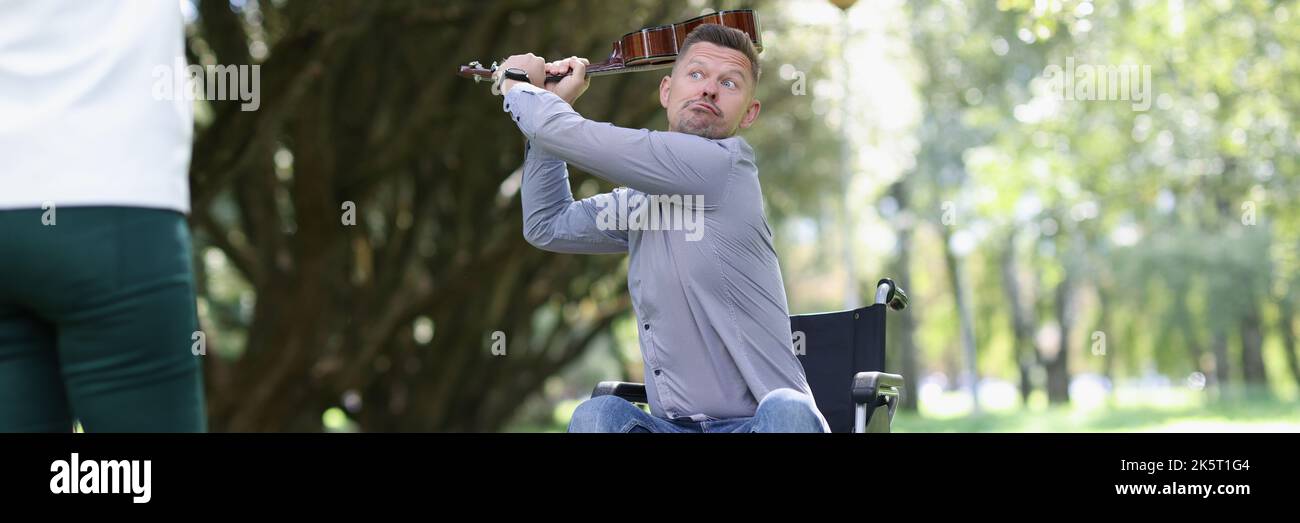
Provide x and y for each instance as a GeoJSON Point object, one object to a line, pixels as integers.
{"type": "Point", "coordinates": [476, 71]}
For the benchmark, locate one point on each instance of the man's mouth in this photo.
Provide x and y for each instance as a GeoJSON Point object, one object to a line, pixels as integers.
{"type": "Point", "coordinates": [706, 107]}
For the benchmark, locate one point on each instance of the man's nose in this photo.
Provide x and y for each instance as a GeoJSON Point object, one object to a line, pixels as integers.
{"type": "Point", "coordinates": [709, 91]}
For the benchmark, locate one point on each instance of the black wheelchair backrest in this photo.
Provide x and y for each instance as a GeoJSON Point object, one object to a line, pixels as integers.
{"type": "Point", "coordinates": [833, 346]}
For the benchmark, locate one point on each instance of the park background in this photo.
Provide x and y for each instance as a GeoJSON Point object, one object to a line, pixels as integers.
{"type": "Point", "coordinates": [1073, 265]}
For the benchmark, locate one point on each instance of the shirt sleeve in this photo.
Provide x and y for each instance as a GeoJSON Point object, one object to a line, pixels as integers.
{"type": "Point", "coordinates": [651, 162]}
{"type": "Point", "coordinates": [554, 221]}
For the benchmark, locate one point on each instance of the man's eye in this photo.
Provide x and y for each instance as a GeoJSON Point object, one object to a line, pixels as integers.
{"type": "Point", "coordinates": [696, 75]}
{"type": "Point", "coordinates": [729, 84]}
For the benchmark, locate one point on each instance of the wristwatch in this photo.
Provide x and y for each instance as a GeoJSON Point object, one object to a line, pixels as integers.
{"type": "Point", "coordinates": [513, 73]}
{"type": "Point", "coordinates": [517, 74]}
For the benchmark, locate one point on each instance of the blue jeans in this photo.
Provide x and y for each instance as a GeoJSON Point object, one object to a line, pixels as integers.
{"type": "Point", "coordinates": [782, 410]}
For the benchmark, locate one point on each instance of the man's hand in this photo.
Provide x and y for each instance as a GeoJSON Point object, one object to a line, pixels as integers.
{"type": "Point", "coordinates": [534, 66]}
{"type": "Point", "coordinates": [572, 86]}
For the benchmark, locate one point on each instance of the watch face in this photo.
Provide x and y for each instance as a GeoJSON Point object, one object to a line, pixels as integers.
{"type": "Point", "coordinates": [515, 73]}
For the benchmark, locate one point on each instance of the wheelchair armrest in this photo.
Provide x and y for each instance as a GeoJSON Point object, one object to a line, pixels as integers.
{"type": "Point", "coordinates": [872, 390]}
{"type": "Point", "coordinates": [868, 386]}
{"type": "Point", "coordinates": [633, 392]}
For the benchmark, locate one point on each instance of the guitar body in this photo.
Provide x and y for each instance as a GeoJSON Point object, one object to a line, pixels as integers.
{"type": "Point", "coordinates": [652, 47]}
{"type": "Point", "coordinates": [659, 45]}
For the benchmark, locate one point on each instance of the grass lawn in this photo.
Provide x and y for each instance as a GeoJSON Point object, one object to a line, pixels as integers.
{"type": "Point", "coordinates": [1127, 411]}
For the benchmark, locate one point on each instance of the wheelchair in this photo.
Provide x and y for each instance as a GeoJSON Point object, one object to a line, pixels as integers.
{"type": "Point", "coordinates": [843, 358]}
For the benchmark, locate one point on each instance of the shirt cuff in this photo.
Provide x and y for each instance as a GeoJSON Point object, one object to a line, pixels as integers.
{"type": "Point", "coordinates": [519, 86]}
{"type": "Point", "coordinates": [527, 87]}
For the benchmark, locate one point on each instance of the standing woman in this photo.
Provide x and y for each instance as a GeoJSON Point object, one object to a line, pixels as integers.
{"type": "Point", "coordinates": [97, 307]}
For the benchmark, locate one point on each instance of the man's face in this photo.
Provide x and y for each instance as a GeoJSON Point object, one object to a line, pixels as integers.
{"type": "Point", "coordinates": [710, 92]}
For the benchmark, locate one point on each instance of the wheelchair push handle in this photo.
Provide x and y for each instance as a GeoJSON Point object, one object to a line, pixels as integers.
{"type": "Point", "coordinates": [890, 294]}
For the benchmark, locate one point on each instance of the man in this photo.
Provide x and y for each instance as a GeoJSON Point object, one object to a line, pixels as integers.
{"type": "Point", "coordinates": [97, 311]}
{"type": "Point", "coordinates": [711, 308]}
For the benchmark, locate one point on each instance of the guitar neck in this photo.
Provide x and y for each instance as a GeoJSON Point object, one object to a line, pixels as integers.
{"type": "Point", "coordinates": [605, 69]}
{"type": "Point", "coordinates": [480, 74]}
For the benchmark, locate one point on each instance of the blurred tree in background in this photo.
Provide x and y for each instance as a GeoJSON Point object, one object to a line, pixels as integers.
{"type": "Point", "coordinates": [1104, 237]}
{"type": "Point", "coordinates": [1044, 240]}
{"type": "Point", "coordinates": [390, 319]}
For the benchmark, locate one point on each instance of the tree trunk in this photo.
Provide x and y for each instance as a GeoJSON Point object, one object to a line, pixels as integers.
{"type": "Point", "coordinates": [1221, 374]}
{"type": "Point", "coordinates": [1191, 338]}
{"type": "Point", "coordinates": [905, 339]}
{"type": "Point", "coordinates": [962, 302]}
{"type": "Point", "coordinates": [1286, 326]}
{"type": "Point", "coordinates": [1058, 370]}
{"type": "Point", "coordinates": [1104, 325]}
{"type": "Point", "coordinates": [1022, 324]}
{"type": "Point", "coordinates": [1252, 356]}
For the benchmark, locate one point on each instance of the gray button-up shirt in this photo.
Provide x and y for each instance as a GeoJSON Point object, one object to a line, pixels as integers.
{"type": "Point", "coordinates": [711, 308]}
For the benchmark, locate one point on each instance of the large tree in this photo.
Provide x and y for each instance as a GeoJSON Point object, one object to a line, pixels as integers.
{"type": "Point", "coordinates": [392, 318]}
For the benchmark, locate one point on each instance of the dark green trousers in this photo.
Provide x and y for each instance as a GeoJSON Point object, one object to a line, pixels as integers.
{"type": "Point", "coordinates": [97, 318]}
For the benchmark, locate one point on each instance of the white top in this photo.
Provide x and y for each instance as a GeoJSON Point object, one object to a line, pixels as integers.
{"type": "Point", "coordinates": [79, 121]}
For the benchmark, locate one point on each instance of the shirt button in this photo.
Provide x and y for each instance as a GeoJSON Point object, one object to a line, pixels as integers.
{"type": "Point", "coordinates": [658, 372]}
{"type": "Point", "coordinates": [507, 107]}
{"type": "Point", "coordinates": [647, 326]}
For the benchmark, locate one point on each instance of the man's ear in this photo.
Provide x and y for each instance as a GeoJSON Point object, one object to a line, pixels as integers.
{"type": "Point", "coordinates": [751, 114]}
{"type": "Point", "coordinates": [663, 90]}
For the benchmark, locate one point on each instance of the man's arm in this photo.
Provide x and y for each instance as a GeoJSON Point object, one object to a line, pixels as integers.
{"type": "Point", "coordinates": [553, 221]}
{"type": "Point", "coordinates": [651, 162]}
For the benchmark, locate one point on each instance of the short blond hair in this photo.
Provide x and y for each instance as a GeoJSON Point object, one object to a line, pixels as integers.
{"type": "Point", "coordinates": [724, 36]}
